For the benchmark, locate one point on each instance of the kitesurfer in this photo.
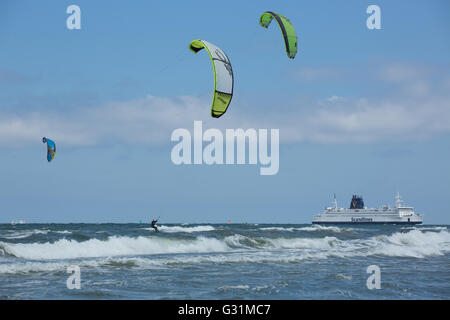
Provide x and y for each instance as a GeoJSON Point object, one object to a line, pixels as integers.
{"type": "Point", "coordinates": [154, 226]}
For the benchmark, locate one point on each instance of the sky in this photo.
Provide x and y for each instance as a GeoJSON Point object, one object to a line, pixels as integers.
{"type": "Point", "coordinates": [359, 111]}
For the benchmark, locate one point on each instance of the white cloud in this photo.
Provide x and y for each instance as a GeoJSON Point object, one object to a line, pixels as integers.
{"type": "Point", "coordinates": [403, 73]}
{"type": "Point", "coordinates": [333, 98]}
{"type": "Point", "coordinates": [413, 80]}
{"type": "Point", "coordinates": [141, 121]}
{"type": "Point", "coordinates": [421, 113]}
{"type": "Point", "coordinates": [150, 121]}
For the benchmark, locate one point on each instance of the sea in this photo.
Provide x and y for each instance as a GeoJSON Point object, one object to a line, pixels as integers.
{"type": "Point", "coordinates": [224, 261]}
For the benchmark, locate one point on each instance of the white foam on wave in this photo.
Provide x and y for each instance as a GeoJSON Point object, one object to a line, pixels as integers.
{"type": "Point", "coordinates": [185, 229]}
{"type": "Point", "coordinates": [24, 234]}
{"type": "Point", "coordinates": [312, 228]}
{"type": "Point", "coordinates": [133, 252]}
{"type": "Point", "coordinates": [426, 228]}
{"type": "Point", "coordinates": [113, 246]}
{"type": "Point", "coordinates": [317, 227]}
{"type": "Point", "coordinates": [278, 229]}
{"type": "Point", "coordinates": [305, 243]}
{"type": "Point", "coordinates": [240, 241]}
{"type": "Point", "coordinates": [343, 276]}
{"type": "Point", "coordinates": [29, 267]}
{"type": "Point", "coordinates": [415, 243]}
{"type": "Point", "coordinates": [236, 287]}
{"type": "Point", "coordinates": [63, 232]}
{"type": "Point", "coordinates": [61, 266]}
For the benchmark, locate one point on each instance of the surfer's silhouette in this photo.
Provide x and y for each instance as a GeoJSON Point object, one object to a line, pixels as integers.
{"type": "Point", "coordinates": [154, 226]}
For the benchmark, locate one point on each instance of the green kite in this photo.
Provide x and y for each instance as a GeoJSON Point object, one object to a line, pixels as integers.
{"type": "Point", "coordinates": [223, 76]}
{"type": "Point", "coordinates": [287, 29]}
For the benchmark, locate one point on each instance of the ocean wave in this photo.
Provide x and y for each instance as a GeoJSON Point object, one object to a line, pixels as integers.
{"type": "Point", "coordinates": [31, 267]}
{"type": "Point", "coordinates": [174, 229]}
{"type": "Point", "coordinates": [63, 232]}
{"type": "Point", "coordinates": [236, 287]}
{"type": "Point", "coordinates": [61, 266]}
{"type": "Point", "coordinates": [235, 248]}
{"type": "Point", "coordinates": [426, 228]}
{"type": "Point", "coordinates": [22, 234]}
{"type": "Point", "coordinates": [240, 241]}
{"type": "Point", "coordinates": [414, 243]}
{"type": "Point", "coordinates": [312, 228]}
{"type": "Point", "coordinates": [317, 227]}
{"type": "Point", "coordinates": [113, 246]}
{"type": "Point", "coordinates": [278, 229]}
{"type": "Point", "coordinates": [145, 263]}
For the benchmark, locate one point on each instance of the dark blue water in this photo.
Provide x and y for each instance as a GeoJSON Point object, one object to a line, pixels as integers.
{"type": "Point", "coordinates": [240, 261]}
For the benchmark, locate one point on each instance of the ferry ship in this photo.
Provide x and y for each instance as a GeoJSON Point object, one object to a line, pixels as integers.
{"type": "Point", "coordinates": [358, 213]}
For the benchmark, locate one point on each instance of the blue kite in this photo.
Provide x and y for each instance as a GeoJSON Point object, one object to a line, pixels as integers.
{"type": "Point", "coordinates": [51, 148]}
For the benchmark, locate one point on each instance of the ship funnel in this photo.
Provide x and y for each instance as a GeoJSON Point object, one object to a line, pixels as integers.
{"type": "Point", "coordinates": [357, 202]}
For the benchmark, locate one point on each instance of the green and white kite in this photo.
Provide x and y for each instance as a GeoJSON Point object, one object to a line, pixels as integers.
{"type": "Point", "coordinates": [223, 76]}
{"type": "Point", "coordinates": [287, 29]}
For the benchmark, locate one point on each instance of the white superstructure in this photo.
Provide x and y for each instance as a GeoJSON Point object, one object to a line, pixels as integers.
{"type": "Point", "coordinates": [358, 213]}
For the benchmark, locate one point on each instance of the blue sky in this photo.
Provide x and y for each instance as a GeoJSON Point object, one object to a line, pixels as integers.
{"type": "Point", "coordinates": [359, 111]}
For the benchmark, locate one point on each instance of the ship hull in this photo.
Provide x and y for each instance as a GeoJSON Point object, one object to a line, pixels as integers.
{"type": "Point", "coordinates": [376, 222]}
{"type": "Point", "coordinates": [367, 219]}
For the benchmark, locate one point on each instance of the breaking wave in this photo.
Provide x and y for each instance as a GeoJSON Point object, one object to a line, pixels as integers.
{"type": "Point", "coordinates": [313, 228]}
{"type": "Point", "coordinates": [22, 234]}
{"type": "Point", "coordinates": [426, 228]}
{"type": "Point", "coordinates": [134, 252]}
{"type": "Point", "coordinates": [415, 243]}
{"type": "Point", "coordinates": [173, 229]}
{"type": "Point", "coordinates": [113, 246]}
